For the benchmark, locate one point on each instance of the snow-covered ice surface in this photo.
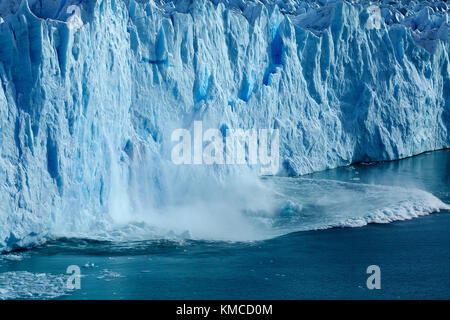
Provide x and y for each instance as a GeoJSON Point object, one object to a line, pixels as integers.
{"type": "Point", "coordinates": [92, 90]}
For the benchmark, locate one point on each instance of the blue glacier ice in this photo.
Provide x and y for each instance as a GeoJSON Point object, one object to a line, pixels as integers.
{"type": "Point", "coordinates": [92, 90]}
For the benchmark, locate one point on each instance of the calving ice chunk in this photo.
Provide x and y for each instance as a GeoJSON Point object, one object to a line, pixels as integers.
{"type": "Point", "coordinates": [91, 95]}
{"type": "Point", "coordinates": [188, 310]}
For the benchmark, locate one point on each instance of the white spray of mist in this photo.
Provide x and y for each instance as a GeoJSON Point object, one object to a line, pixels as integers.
{"type": "Point", "coordinates": [196, 204]}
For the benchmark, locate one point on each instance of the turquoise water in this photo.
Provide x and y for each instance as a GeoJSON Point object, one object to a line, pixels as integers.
{"type": "Point", "coordinates": [413, 255]}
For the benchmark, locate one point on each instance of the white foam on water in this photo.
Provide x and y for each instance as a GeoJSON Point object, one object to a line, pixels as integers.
{"type": "Point", "coordinates": [27, 285]}
{"type": "Point", "coordinates": [328, 203]}
{"type": "Point", "coordinates": [12, 257]}
{"type": "Point", "coordinates": [273, 207]}
{"type": "Point", "coordinates": [108, 275]}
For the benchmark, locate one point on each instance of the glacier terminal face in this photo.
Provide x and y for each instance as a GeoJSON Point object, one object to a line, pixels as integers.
{"type": "Point", "coordinates": [92, 90]}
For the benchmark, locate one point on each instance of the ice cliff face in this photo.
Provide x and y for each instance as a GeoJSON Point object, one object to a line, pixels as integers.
{"type": "Point", "coordinates": [91, 91]}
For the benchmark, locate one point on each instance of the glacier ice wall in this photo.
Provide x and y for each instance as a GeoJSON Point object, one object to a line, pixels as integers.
{"type": "Point", "coordinates": [91, 91]}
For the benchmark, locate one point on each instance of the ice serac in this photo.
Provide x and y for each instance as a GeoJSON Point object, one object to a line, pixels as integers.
{"type": "Point", "coordinates": [92, 90]}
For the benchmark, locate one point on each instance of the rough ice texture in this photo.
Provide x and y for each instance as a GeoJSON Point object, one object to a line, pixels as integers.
{"type": "Point", "coordinates": [87, 109]}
